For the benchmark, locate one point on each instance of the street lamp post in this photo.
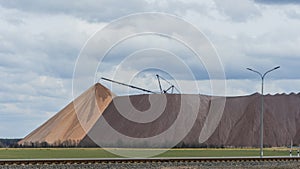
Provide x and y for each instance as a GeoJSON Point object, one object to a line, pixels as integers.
{"type": "Point", "coordinates": [262, 76]}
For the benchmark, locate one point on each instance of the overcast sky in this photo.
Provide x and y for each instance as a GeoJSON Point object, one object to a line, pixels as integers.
{"type": "Point", "coordinates": [41, 40]}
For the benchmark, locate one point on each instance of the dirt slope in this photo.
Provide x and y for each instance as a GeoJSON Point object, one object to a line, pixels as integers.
{"type": "Point", "coordinates": [65, 126]}
{"type": "Point", "coordinates": [104, 130]}
{"type": "Point", "coordinates": [104, 117]}
{"type": "Point", "coordinates": [239, 125]}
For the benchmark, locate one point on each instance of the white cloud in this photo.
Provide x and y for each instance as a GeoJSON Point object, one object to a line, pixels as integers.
{"type": "Point", "coordinates": [37, 55]}
{"type": "Point", "coordinates": [237, 10]}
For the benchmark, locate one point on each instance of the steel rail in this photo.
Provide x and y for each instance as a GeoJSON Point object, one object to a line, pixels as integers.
{"type": "Point", "coordinates": [142, 160]}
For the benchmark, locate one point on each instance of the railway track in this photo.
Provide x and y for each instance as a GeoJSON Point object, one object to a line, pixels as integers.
{"type": "Point", "coordinates": [144, 160]}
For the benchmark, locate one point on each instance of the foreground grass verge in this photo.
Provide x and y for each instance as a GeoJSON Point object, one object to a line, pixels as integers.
{"type": "Point", "coordinates": [32, 153]}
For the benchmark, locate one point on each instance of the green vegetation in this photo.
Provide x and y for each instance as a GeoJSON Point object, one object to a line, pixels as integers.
{"type": "Point", "coordinates": [235, 152]}
{"type": "Point", "coordinates": [31, 153]}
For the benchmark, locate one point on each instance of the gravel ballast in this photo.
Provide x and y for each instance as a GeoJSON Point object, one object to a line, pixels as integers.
{"type": "Point", "coordinates": [167, 165]}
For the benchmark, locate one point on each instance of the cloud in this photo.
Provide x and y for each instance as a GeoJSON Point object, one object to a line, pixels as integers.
{"type": "Point", "coordinates": [40, 42]}
{"type": "Point", "coordinates": [42, 39]}
{"type": "Point", "coordinates": [37, 54]}
{"type": "Point", "coordinates": [264, 42]}
{"type": "Point", "coordinates": [102, 10]}
{"type": "Point", "coordinates": [278, 1]}
{"type": "Point", "coordinates": [154, 51]}
{"type": "Point", "coordinates": [293, 13]}
{"type": "Point", "coordinates": [92, 10]}
{"type": "Point", "coordinates": [236, 11]}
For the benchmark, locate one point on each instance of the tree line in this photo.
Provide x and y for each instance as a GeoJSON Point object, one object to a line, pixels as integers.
{"type": "Point", "coordinates": [7, 143]}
